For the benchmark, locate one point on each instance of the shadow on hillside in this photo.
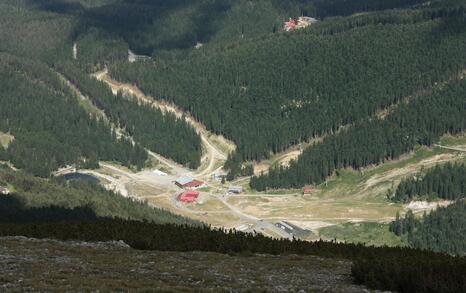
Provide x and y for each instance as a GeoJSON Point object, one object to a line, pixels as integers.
{"type": "Point", "coordinates": [13, 209]}
{"type": "Point", "coordinates": [58, 6]}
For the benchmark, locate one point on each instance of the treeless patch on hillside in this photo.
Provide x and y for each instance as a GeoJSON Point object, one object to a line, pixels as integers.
{"type": "Point", "coordinates": [397, 174]}
{"type": "Point", "coordinates": [6, 139]}
{"type": "Point", "coordinates": [425, 206]}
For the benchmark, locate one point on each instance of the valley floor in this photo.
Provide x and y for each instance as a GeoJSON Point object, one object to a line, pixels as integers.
{"type": "Point", "coordinates": [49, 265]}
{"type": "Point", "coordinates": [352, 201]}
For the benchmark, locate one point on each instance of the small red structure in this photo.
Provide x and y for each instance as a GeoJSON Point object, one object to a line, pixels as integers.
{"type": "Point", "coordinates": [290, 25]}
{"type": "Point", "coordinates": [307, 190]}
{"type": "Point", "coordinates": [188, 196]}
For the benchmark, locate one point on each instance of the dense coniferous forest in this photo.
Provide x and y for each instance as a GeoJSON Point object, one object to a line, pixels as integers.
{"type": "Point", "coordinates": [162, 133]}
{"type": "Point", "coordinates": [422, 120]}
{"type": "Point", "coordinates": [51, 129]}
{"type": "Point", "coordinates": [447, 182]}
{"type": "Point", "coordinates": [35, 34]}
{"type": "Point", "coordinates": [276, 91]}
{"type": "Point", "coordinates": [442, 230]}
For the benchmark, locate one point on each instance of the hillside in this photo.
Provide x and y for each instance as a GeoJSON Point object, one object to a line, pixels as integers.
{"type": "Point", "coordinates": [32, 199]}
{"type": "Point", "coordinates": [50, 127]}
{"type": "Point", "coordinates": [122, 268]}
{"type": "Point", "coordinates": [282, 89]}
{"type": "Point", "coordinates": [237, 145]}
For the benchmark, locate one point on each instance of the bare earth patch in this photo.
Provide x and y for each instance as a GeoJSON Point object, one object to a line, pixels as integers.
{"type": "Point", "coordinates": [421, 206]}
{"type": "Point", "coordinates": [6, 139]}
{"type": "Point", "coordinates": [408, 170]}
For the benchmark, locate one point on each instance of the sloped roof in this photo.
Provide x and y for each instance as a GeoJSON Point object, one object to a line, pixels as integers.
{"type": "Point", "coordinates": [194, 183]}
{"type": "Point", "coordinates": [184, 180]}
{"type": "Point", "coordinates": [188, 196]}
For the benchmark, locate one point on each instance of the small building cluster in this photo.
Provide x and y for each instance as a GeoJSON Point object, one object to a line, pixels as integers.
{"type": "Point", "coordinates": [219, 176]}
{"type": "Point", "coordinates": [188, 196]}
{"type": "Point", "coordinates": [301, 22]}
{"type": "Point", "coordinates": [188, 182]}
{"type": "Point", "coordinates": [4, 190]}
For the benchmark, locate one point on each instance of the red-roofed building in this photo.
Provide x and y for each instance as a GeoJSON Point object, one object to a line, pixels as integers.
{"type": "Point", "coordinates": [307, 190]}
{"type": "Point", "coordinates": [188, 196]}
{"type": "Point", "coordinates": [193, 184]}
{"type": "Point", "coordinates": [188, 182]}
{"type": "Point", "coordinates": [290, 25]}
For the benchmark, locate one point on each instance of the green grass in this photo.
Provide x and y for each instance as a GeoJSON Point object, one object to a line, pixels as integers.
{"type": "Point", "coordinates": [347, 181]}
{"type": "Point", "coordinates": [369, 233]}
{"type": "Point", "coordinates": [449, 140]}
{"type": "Point", "coordinates": [205, 189]}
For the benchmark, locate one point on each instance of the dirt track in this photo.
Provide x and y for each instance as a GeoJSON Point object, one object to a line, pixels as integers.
{"type": "Point", "coordinates": [215, 155]}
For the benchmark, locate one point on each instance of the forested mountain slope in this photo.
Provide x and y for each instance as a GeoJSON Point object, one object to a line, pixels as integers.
{"type": "Point", "coordinates": [442, 230]}
{"type": "Point", "coordinates": [32, 33]}
{"type": "Point", "coordinates": [51, 129]}
{"type": "Point", "coordinates": [159, 132]}
{"type": "Point", "coordinates": [422, 120]}
{"type": "Point", "coordinates": [40, 34]}
{"type": "Point", "coordinates": [446, 182]}
{"type": "Point", "coordinates": [276, 91]}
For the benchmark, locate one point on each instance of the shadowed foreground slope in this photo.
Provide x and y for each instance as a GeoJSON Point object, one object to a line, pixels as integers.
{"type": "Point", "coordinates": [43, 265]}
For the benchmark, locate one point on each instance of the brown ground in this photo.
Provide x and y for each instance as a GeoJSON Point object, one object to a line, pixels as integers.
{"type": "Point", "coordinates": [28, 265]}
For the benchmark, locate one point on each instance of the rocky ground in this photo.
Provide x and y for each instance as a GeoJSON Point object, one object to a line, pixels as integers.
{"type": "Point", "coordinates": [52, 266]}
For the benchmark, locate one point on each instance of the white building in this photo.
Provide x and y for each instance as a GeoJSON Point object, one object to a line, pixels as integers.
{"type": "Point", "coordinates": [4, 190]}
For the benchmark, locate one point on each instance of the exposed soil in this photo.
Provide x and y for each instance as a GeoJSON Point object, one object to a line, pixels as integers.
{"type": "Point", "coordinates": [408, 170]}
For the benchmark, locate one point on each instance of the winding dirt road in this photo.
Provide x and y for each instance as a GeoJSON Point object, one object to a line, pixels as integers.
{"type": "Point", "coordinates": [214, 156]}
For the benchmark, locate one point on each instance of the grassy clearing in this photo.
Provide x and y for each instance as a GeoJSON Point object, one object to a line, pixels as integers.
{"type": "Point", "coordinates": [369, 233]}
{"type": "Point", "coordinates": [449, 140]}
{"type": "Point", "coordinates": [210, 205]}
{"type": "Point", "coordinates": [204, 189]}
{"type": "Point", "coordinates": [350, 182]}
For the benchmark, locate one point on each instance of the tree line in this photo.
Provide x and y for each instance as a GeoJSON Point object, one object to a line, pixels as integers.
{"type": "Point", "coordinates": [382, 268]}
{"type": "Point", "coordinates": [446, 181]}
